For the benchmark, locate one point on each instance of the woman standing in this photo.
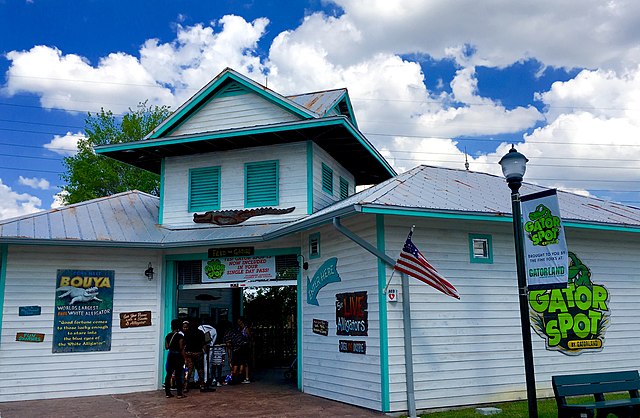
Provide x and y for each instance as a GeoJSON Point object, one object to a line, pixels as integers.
{"type": "Point", "coordinates": [174, 342]}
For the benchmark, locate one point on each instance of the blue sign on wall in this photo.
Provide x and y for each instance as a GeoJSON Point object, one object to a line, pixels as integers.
{"type": "Point", "coordinates": [83, 311]}
{"type": "Point", "coordinates": [29, 310]}
{"type": "Point", "coordinates": [327, 273]}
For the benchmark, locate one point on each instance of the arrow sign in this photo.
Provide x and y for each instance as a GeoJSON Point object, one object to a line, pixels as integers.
{"type": "Point", "coordinates": [327, 273]}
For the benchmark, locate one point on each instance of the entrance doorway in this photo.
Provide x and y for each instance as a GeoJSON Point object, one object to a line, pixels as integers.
{"type": "Point", "coordinates": [269, 307]}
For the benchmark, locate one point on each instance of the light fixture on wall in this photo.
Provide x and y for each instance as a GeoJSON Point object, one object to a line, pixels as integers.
{"type": "Point", "coordinates": [149, 272]}
{"type": "Point", "coordinates": [305, 265]}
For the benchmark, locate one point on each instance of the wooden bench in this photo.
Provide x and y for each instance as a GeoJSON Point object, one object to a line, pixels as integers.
{"type": "Point", "coordinates": [598, 384]}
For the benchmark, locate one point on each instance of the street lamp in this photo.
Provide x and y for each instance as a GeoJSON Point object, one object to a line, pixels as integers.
{"type": "Point", "coordinates": [514, 166]}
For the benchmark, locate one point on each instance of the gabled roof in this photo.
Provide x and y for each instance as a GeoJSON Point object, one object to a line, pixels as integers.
{"type": "Point", "coordinates": [335, 131]}
{"type": "Point", "coordinates": [461, 194]}
{"type": "Point", "coordinates": [323, 102]}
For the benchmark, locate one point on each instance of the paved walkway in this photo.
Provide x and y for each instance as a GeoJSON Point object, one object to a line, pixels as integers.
{"type": "Point", "coordinates": [257, 399]}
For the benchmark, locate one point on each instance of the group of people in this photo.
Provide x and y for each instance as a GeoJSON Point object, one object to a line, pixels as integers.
{"type": "Point", "coordinates": [199, 349]}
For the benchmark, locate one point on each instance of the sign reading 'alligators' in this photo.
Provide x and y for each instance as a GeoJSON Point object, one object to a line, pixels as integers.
{"type": "Point", "coordinates": [574, 318]}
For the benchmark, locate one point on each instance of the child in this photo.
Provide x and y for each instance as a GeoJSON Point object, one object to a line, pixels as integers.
{"type": "Point", "coordinates": [219, 354]}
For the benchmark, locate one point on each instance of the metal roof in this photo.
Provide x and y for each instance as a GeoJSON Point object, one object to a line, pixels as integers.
{"type": "Point", "coordinates": [130, 219]}
{"type": "Point", "coordinates": [126, 219]}
{"type": "Point", "coordinates": [319, 102]}
{"type": "Point", "coordinates": [462, 193]}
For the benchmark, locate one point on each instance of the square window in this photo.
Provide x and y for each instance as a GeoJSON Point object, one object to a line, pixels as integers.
{"type": "Point", "coordinates": [480, 249]}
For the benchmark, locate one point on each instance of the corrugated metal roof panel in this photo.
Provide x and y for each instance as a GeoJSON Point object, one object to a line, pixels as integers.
{"type": "Point", "coordinates": [318, 102]}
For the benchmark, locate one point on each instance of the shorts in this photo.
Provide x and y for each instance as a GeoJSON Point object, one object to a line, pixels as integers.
{"type": "Point", "coordinates": [240, 356]}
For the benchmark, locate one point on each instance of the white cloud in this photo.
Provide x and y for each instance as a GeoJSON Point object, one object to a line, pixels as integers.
{"type": "Point", "coordinates": [35, 183]}
{"type": "Point", "coordinates": [14, 204]}
{"type": "Point", "coordinates": [66, 145]}
{"type": "Point", "coordinates": [58, 199]}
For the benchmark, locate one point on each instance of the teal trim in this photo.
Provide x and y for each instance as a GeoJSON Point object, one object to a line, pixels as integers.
{"type": "Point", "coordinates": [4, 249]}
{"type": "Point", "coordinates": [384, 326]}
{"type": "Point", "coordinates": [489, 218]}
{"type": "Point", "coordinates": [327, 179]}
{"type": "Point", "coordinates": [204, 189]}
{"type": "Point", "coordinates": [261, 184]}
{"type": "Point", "coordinates": [287, 126]}
{"type": "Point", "coordinates": [204, 95]}
{"type": "Point", "coordinates": [314, 237]}
{"type": "Point", "coordinates": [483, 260]}
{"type": "Point", "coordinates": [309, 177]}
{"type": "Point", "coordinates": [299, 325]}
{"type": "Point", "coordinates": [168, 291]}
{"type": "Point", "coordinates": [161, 207]}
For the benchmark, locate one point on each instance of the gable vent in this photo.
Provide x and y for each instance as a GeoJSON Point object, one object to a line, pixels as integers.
{"type": "Point", "coordinates": [232, 89]}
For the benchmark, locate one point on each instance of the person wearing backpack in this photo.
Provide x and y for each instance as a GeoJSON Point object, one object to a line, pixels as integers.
{"type": "Point", "coordinates": [210, 337]}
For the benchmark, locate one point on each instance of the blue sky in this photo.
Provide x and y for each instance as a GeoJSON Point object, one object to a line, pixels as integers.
{"type": "Point", "coordinates": [429, 80]}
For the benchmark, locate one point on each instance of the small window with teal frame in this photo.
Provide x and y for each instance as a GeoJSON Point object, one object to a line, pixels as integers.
{"type": "Point", "coordinates": [314, 245]}
{"type": "Point", "coordinates": [327, 179]}
{"type": "Point", "coordinates": [204, 189]}
{"type": "Point", "coordinates": [344, 188]}
{"type": "Point", "coordinates": [480, 249]}
{"type": "Point", "coordinates": [261, 184]}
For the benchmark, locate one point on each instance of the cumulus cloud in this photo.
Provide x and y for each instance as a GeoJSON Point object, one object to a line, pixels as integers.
{"type": "Point", "coordinates": [66, 145]}
{"type": "Point", "coordinates": [14, 204]}
{"type": "Point", "coordinates": [35, 183]}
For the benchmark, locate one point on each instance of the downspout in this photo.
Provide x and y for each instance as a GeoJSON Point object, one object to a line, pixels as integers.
{"type": "Point", "coordinates": [406, 311]}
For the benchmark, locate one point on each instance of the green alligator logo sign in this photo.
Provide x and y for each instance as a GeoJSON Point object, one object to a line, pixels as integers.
{"type": "Point", "coordinates": [543, 228]}
{"type": "Point", "coordinates": [214, 269]}
{"type": "Point", "coordinates": [574, 318]}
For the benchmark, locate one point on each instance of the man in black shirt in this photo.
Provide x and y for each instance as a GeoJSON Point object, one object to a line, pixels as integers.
{"type": "Point", "coordinates": [195, 347]}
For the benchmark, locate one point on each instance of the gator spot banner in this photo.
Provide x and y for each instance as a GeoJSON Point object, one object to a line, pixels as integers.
{"type": "Point", "coordinates": [83, 311]}
{"type": "Point", "coordinates": [575, 318]}
{"type": "Point", "coordinates": [545, 249]}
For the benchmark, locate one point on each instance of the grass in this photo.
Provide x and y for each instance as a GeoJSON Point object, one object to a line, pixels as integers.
{"type": "Point", "coordinates": [546, 409]}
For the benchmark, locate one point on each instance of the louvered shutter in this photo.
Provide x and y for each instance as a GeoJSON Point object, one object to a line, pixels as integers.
{"type": "Point", "coordinates": [261, 184]}
{"type": "Point", "coordinates": [204, 189]}
{"type": "Point", "coordinates": [327, 179]}
{"type": "Point", "coordinates": [344, 188]}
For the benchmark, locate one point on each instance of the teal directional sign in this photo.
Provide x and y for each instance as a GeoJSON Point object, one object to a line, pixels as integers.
{"type": "Point", "coordinates": [327, 273]}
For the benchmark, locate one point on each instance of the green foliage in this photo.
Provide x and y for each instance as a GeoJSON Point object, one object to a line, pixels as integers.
{"type": "Point", "coordinates": [271, 305]}
{"type": "Point", "coordinates": [89, 176]}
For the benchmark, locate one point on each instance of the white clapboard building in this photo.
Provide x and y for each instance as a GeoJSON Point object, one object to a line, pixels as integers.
{"type": "Point", "coordinates": [258, 189]}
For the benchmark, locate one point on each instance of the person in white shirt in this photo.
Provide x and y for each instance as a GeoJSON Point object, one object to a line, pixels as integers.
{"type": "Point", "coordinates": [210, 336]}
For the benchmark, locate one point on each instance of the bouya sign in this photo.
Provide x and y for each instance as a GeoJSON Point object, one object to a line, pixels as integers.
{"type": "Point", "coordinates": [574, 318]}
{"type": "Point", "coordinates": [544, 244]}
{"type": "Point", "coordinates": [327, 273]}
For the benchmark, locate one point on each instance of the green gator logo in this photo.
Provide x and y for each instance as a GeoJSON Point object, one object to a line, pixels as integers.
{"type": "Point", "coordinates": [214, 269]}
{"type": "Point", "coordinates": [543, 228]}
{"type": "Point", "coordinates": [574, 318]}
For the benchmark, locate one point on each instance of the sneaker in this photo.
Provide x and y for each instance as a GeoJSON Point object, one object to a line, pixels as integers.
{"type": "Point", "coordinates": [168, 395]}
{"type": "Point", "coordinates": [246, 381]}
{"type": "Point", "coordinates": [218, 384]}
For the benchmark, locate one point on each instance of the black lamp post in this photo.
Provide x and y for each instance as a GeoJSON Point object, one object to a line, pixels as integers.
{"type": "Point", "coordinates": [514, 166]}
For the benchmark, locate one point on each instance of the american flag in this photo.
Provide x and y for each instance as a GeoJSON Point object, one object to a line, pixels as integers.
{"type": "Point", "coordinates": [413, 263]}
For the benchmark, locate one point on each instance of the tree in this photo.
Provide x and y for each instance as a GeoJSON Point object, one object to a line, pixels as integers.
{"type": "Point", "coordinates": [89, 175]}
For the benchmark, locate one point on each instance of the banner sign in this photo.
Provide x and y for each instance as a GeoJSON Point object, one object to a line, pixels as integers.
{"type": "Point", "coordinates": [355, 347]}
{"type": "Point", "coordinates": [229, 252]}
{"type": "Point", "coordinates": [326, 273]}
{"type": "Point", "coordinates": [545, 248]}
{"type": "Point", "coordinates": [83, 311]}
{"type": "Point", "coordinates": [572, 319]}
{"type": "Point", "coordinates": [238, 269]}
{"type": "Point", "coordinates": [351, 314]}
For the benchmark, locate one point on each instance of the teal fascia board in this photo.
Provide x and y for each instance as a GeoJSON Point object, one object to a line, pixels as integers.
{"type": "Point", "coordinates": [204, 96]}
{"type": "Point", "coordinates": [490, 218]}
{"type": "Point", "coordinates": [169, 296]}
{"type": "Point", "coordinates": [382, 302]}
{"type": "Point", "coordinates": [309, 177]}
{"type": "Point", "coordinates": [3, 279]}
{"type": "Point", "coordinates": [299, 327]}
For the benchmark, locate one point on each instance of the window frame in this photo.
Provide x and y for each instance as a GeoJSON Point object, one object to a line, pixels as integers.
{"type": "Point", "coordinates": [211, 205]}
{"type": "Point", "coordinates": [275, 200]}
{"type": "Point", "coordinates": [489, 246]}
{"type": "Point", "coordinates": [329, 172]}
